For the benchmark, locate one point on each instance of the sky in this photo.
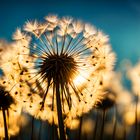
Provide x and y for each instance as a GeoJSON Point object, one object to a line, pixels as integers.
{"type": "Point", "coordinates": [120, 19]}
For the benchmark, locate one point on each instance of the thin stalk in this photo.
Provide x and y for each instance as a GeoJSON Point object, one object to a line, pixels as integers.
{"type": "Point", "coordinates": [124, 135]}
{"type": "Point", "coordinates": [40, 130]}
{"type": "Point", "coordinates": [32, 129]}
{"type": "Point", "coordinates": [20, 130]}
{"type": "Point", "coordinates": [115, 123]}
{"type": "Point", "coordinates": [138, 130]}
{"type": "Point", "coordinates": [55, 132]}
{"type": "Point", "coordinates": [52, 131]}
{"type": "Point", "coordinates": [136, 119]}
{"type": "Point", "coordinates": [102, 126]}
{"type": "Point", "coordinates": [59, 112]}
{"type": "Point", "coordinates": [80, 128]}
{"type": "Point", "coordinates": [5, 124]}
{"type": "Point", "coordinates": [95, 128]}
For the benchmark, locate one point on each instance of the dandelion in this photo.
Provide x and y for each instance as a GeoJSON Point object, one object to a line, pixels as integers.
{"type": "Point", "coordinates": [9, 107]}
{"type": "Point", "coordinates": [65, 62]}
{"type": "Point", "coordinates": [5, 102]}
{"type": "Point", "coordinates": [112, 82]}
{"type": "Point", "coordinates": [10, 113]}
{"type": "Point", "coordinates": [133, 74]}
{"type": "Point", "coordinates": [107, 102]}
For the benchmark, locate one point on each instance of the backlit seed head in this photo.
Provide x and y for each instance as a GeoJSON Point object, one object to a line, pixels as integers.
{"type": "Point", "coordinates": [59, 53]}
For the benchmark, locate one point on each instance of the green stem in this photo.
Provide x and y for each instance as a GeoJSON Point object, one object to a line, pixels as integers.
{"type": "Point", "coordinates": [59, 112]}
{"type": "Point", "coordinates": [5, 125]}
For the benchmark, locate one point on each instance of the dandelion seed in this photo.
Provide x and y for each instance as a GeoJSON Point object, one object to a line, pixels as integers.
{"type": "Point", "coordinates": [89, 31]}
{"type": "Point", "coordinates": [18, 35]}
{"type": "Point", "coordinates": [31, 26]}
{"type": "Point", "coordinates": [63, 73]}
{"type": "Point", "coordinates": [51, 18]}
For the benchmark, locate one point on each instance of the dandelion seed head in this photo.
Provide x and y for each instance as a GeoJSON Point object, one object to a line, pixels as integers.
{"type": "Point", "coordinates": [120, 96]}
{"type": "Point", "coordinates": [12, 87]}
{"type": "Point", "coordinates": [13, 67]}
{"type": "Point", "coordinates": [5, 99]}
{"type": "Point", "coordinates": [107, 102]}
{"type": "Point", "coordinates": [66, 55]}
{"type": "Point", "coordinates": [13, 121]}
{"type": "Point", "coordinates": [12, 110]}
{"type": "Point", "coordinates": [133, 74]}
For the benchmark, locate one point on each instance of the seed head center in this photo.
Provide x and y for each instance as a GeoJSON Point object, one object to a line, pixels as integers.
{"type": "Point", "coordinates": [61, 67]}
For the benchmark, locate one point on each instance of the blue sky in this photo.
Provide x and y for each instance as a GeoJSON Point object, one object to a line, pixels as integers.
{"type": "Point", "coordinates": [120, 19]}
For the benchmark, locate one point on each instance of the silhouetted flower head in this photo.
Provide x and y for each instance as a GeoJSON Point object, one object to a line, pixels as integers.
{"type": "Point", "coordinates": [64, 54]}
{"type": "Point", "coordinates": [12, 110]}
{"type": "Point", "coordinates": [133, 74]}
{"type": "Point", "coordinates": [5, 99]}
{"type": "Point", "coordinates": [8, 102]}
{"type": "Point", "coordinates": [107, 102]}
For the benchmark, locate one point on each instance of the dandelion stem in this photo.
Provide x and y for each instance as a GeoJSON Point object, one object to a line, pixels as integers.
{"type": "Point", "coordinates": [102, 126]}
{"type": "Point", "coordinates": [95, 128]}
{"type": "Point", "coordinates": [115, 124]}
{"type": "Point", "coordinates": [5, 124]}
{"type": "Point", "coordinates": [124, 135]}
{"type": "Point", "coordinates": [20, 131]}
{"type": "Point", "coordinates": [138, 130]}
{"type": "Point", "coordinates": [52, 130]}
{"type": "Point", "coordinates": [136, 119]}
{"type": "Point", "coordinates": [80, 128]}
{"type": "Point", "coordinates": [32, 130]}
{"type": "Point", "coordinates": [59, 112]}
{"type": "Point", "coordinates": [40, 130]}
